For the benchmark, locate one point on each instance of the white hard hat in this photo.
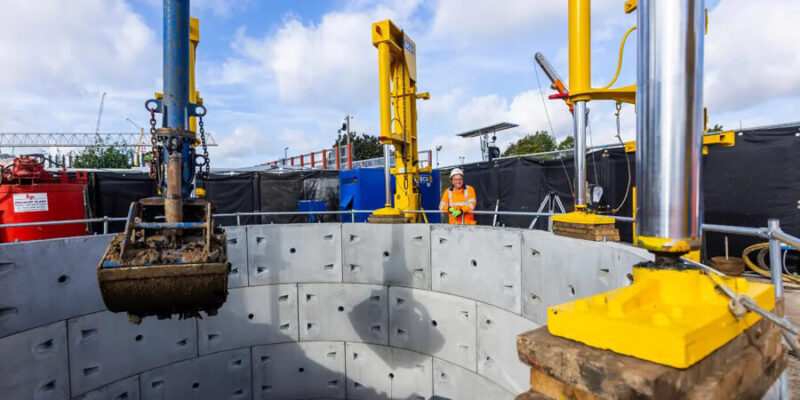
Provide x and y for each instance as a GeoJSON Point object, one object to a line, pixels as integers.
{"type": "Point", "coordinates": [456, 171]}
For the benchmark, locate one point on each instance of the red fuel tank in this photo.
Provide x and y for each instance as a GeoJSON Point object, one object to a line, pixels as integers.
{"type": "Point", "coordinates": [28, 193]}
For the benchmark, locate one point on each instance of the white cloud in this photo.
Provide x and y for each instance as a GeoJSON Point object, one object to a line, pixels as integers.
{"type": "Point", "coordinates": [751, 54]}
{"type": "Point", "coordinates": [331, 62]}
{"type": "Point", "coordinates": [325, 61]}
{"type": "Point", "coordinates": [468, 22]}
{"type": "Point", "coordinates": [248, 144]}
{"type": "Point", "coordinates": [58, 57]}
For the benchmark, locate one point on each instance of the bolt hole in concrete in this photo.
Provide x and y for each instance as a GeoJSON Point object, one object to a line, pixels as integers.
{"type": "Point", "coordinates": [138, 338]}
{"type": "Point", "coordinates": [434, 323]}
{"type": "Point", "coordinates": [63, 278]}
{"type": "Point", "coordinates": [341, 308]}
{"type": "Point", "coordinates": [250, 316]}
{"type": "Point", "coordinates": [195, 385]}
{"type": "Point", "coordinates": [386, 254]}
{"type": "Point", "coordinates": [571, 290]}
{"type": "Point", "coordinates": [474, 263]}
{"type": "Point", "coordinates": [301, 369]}
{"type": "Point", "coordinates": [391, 375]}
{"type": "Point", "coordinates": [292, 250]}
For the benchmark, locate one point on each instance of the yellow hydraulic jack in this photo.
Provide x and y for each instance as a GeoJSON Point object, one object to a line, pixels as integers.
{"type": "Point", "coordinates": [397, 74]}
{"type": "Point", "coordinates": [673, 313]}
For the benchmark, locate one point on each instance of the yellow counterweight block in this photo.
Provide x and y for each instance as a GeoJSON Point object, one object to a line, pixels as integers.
{"type": "Point", "coordinates": [673, 317]}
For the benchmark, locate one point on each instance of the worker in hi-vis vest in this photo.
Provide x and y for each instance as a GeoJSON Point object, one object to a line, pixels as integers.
{"type": "Point", "coordinates": [459, 201]}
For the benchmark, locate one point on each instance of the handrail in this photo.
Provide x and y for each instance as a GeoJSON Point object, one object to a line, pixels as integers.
{"type": "Point", "coordinates": [106, 220]}
{"type": "Point", "coordinates": [766, 233]}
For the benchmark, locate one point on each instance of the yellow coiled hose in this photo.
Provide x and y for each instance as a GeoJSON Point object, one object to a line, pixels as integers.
{"type": "Point", "coordinates": [762, 267]}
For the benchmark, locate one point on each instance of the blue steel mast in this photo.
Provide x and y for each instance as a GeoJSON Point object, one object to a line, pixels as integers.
{"type": "Point", "coordinates": [175, 105]}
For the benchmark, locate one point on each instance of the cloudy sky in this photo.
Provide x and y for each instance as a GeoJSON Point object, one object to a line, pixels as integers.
{"type": "Point", "coordinates": [285, 73]}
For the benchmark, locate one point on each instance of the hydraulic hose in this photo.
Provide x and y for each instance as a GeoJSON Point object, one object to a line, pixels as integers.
{"type": "Point", "coordinates": [619, 62]}
{"type": "Point", "coordinates": [762, 267]}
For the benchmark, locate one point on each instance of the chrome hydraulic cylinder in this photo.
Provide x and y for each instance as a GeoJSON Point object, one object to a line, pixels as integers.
{"type": "Point", "coordinates": [669, 124]}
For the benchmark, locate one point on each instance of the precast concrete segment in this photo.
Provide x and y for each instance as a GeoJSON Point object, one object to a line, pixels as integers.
{"type": "Point", "coordinates": [558, 269]}
{"type": "Point", "coordinates": [125, 389]}
{"type": "Point", "coordinates": [45, 281]}
{"type": "Point", "coordinates": [105, 347]}
{"type": "Point", "coordinates": [224, 375]}
{"type": "Point", "coordinates": [237, 255]}
{"type": "Point", "coordinates": [299, 370]}
{"type": "Point", "coordinates": [251, 316]}
{"type": "Point", "coordinates": [453, 382]}
{"type": "Point", "coordinates": [497, 347]}
{"type": "Point", "coordinates": [33, 364]}
{"type": "Point", "coordinates": [438, 324]}
{"type": "Point", "coordinates": [309, 253]}
{"type": "Point", "coordinates": [337, 311]}
{"type": "Point", "coordinates": [388, 254]}
{"type": "Point", "coordinates": [388, 373]}
{"type": "Point", "coordinates": [106, 359]}
{"type": "Point", "coordinates": [478, 262]}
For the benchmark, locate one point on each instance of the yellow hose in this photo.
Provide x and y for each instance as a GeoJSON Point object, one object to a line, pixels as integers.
{"type": "Point", "coordinates": [762, 269]}
{"type": "Point", "coordinates": [619, 63]}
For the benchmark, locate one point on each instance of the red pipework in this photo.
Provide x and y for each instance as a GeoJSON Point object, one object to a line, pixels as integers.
{"type": "Point", "coordinates": [349, 156]}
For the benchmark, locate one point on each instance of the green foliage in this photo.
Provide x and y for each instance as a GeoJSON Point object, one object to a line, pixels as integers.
{"type": "Point", "coordinates": [715, 128]}
{"type": "Point", "coordinates": [364, 146]}
{"type": "Point", "coordinates": [540, 141]}
{"type": "Point", "coordinates": [103, 156]}
{"type": "Point", "coordinates": [567, 143]}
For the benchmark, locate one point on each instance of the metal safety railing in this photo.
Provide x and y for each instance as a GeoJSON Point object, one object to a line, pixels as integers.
{"type": "Point", "coordinates": [104, 220]}
{"type": "Point", "coordinates": [776, 236]}
{"type": "Point", "coordinates": [238, 215]}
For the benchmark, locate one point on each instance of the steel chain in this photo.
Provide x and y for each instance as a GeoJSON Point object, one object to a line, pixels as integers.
{"type": "Point", "coordinates": [206, 168]}
{"type": "Point", "coordinates": [155, 162]}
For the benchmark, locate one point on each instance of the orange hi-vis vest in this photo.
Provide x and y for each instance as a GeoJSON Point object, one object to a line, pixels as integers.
{"type": "Point", "coordinates": [463, 199]}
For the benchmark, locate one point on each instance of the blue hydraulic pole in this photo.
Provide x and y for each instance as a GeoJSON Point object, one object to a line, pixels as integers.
{"type": "Point", "coordinates": [175, 105]}
{"type": "Point", "coordinates": [176, 63]}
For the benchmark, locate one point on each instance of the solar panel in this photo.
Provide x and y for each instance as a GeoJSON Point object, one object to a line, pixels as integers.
{"type": "Point", "coordinates": [488, 129]}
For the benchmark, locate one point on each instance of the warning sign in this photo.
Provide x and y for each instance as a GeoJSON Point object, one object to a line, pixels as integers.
{"type": "Point", "coordinates": [28, 202]}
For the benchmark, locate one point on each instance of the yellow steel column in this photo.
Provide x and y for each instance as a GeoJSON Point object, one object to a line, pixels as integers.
{"type": "Point", "coordinates": [384, 89]}
{"type": "Point", "coordinates": [398, 118]}
{"type": "Point", "coordinates": [194, 40]}
{"type": "Point", "coordinates": [580, 56]}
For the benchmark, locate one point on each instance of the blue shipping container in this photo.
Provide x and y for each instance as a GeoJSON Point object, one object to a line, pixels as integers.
{"type": "Point", "coordinates": [362, 189]}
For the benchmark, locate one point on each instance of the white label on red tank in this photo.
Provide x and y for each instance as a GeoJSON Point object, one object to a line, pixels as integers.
{"type": "Point", "coordinates": [28, 202]}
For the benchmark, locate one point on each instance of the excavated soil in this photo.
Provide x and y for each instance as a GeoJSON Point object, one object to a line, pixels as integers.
{"type": "Point", "coordinates": [167, 247]}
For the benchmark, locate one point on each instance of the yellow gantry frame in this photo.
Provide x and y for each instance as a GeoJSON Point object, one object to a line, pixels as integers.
{"type": "Point", "coordinates": [397, 75]}
{"type": "Point", "coordinates": [580, 59]}
{"type": "Point", "coordinates": [580, 76]}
